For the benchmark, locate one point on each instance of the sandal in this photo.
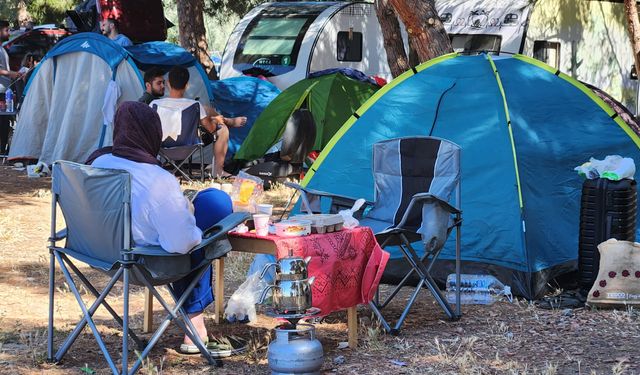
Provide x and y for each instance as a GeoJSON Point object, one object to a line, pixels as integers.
{"type": "Point", "coordinates": [192, 348]}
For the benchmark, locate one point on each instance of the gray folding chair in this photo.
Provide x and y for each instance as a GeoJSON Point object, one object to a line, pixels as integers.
{"type": "Point", "coordinates": [96, 203]}
{"type": "Point", "coordinates": [414, 179]}
{"type": "Point", "coordinates": [179, 151]}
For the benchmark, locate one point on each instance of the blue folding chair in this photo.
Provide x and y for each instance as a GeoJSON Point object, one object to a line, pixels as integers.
{"type": "Point", "coordinates": [96, 203]}
{"type": "Point", "coordinates": [415, 179]}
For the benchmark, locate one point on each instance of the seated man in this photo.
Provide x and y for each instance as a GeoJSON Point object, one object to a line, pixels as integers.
{"type": "Point", "coordinates": [154, 85]}
{"type": "Point", "coordinates": [160, 214]}
{"type": "Point", "coordinates": [210, 120]}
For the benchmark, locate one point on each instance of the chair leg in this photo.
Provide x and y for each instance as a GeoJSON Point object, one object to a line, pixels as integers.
{"type": "Point", "coordinates": [125, 318]}
{"type": "Point", "coordinates": [52, 275]}
{"type": "Point", "coordinates": [140, 344]}
{"type": "Point", "coordinates": [202, 165]}
{"type": "Point", "coordinates": [86, 314]}
{"type": "Point", "coordinates": [172, 315]}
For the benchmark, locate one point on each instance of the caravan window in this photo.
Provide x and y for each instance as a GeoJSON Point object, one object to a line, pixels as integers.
{"type": "Point", "coordinates": [475, 43]}
{"type": "Point", "coordinates": [547, 52]}
{"type": "Point", "coordinates": [349, 46]}
{"type": "Point", "coordinates": [271, 42]}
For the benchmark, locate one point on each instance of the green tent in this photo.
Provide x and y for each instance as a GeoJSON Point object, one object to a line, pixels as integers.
{"type": "Point", "coordinates": [331, 98]}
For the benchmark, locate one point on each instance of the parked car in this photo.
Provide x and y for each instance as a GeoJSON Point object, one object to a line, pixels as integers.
{"type": "Point", "coordinates": [38, 40]}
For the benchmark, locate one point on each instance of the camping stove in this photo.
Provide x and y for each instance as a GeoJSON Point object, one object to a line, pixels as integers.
{"type": "Point", "coordinates": [295, 351]}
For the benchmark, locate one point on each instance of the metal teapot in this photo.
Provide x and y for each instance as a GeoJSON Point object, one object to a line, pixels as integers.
{"type": "Point", "coordinates": [290, 295]}
{"type": "Point", "coordinates": [289, 268]}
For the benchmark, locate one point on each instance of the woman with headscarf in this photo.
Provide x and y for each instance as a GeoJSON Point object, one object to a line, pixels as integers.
{"type": "Point", "coordinates": [160, 214]}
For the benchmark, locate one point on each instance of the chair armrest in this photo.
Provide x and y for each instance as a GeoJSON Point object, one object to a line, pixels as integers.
{"type": "Point", "coordinates": [220, 230]}
{"type": "Point", "coordinates": [305, 200]}
{"type": "Point", "coordinates": [428, 197]}
{"type": "Point", "coordinates": [61, 235]}
{"type": "Point", "coordinates": [213, 234]}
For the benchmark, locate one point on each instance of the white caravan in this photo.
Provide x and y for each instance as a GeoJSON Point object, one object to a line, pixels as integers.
{"type": "Point", "coordinates": [285, 41]}
{"type": "Point", "coordinates": [584, 38]}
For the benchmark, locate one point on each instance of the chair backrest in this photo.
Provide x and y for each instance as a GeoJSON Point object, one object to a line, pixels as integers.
{"type": "Point", "coordinates": [95, 205]}
{"type": "Point", "coordinates": [189, 121]}
{"type": "Point", "coordinates": [403, 167]}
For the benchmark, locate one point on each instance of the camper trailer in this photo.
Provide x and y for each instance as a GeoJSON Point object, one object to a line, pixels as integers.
{"type": "Point", "coordinates": [587, 39]}
{"type": "Point", "coordinates": [286, 41]}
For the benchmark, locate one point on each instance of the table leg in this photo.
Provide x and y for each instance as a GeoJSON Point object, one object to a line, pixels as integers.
{"type": "Point", "coordinates": [352, 324]}
{"type": "Point", "coordinates": [219, 290]}
{"type": "Point", "coordinates": [147, 322]}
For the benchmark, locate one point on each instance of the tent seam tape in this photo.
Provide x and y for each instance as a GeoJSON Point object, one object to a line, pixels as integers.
{"type": "Point", "coordinates": [509, 127]}
{"type": "Point", "coordinates": [605, 107]}
{"type": "Point", "coordinates": [365, 107]}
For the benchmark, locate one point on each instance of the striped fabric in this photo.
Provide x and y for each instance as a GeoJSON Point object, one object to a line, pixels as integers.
{"type": "Point", "coordinates": [403, 167]}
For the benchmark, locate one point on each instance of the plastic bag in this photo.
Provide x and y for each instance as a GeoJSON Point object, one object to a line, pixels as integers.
{"type": "Point", "coordinates": [242, 304]}
{"type": "Point", "coordinates": [246, 192]}
{"type": "Point", "coordinates": [613, 167]}
{"type": "Point", "coordinates": [258, 264]}
{"type": "Point", "coordinates": [347, 215]}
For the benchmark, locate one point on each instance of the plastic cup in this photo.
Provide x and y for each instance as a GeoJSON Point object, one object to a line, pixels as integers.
{"type": "Point", "coordinates": [216, 185]}
{"type": "Point", "coordinates": [261, 222]}
{"type": "Point", "coordinates": [264, 208]}
{"type": "Point", "coordinates": [227, 188]}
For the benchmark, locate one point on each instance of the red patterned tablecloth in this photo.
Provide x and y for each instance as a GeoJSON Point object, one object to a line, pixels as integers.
{"type": "Point", "coordinates": [347, 265]}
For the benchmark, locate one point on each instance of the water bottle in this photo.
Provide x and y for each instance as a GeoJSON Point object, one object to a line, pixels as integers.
{"type": "Point", "coordinates": [8, 95]}
{"type": "Point", "coordinates": [477, 289]}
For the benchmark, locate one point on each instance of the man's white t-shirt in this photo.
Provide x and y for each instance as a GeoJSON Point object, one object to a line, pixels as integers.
{"type": "Point", "coordinates": [160, 214]}
{"type": "Point", "coordinates": [170, 112]}
{"type": "Point", "coordinates": [5, 81]}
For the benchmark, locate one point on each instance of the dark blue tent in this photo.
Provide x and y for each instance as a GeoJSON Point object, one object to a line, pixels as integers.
{"type": "Point", "coordinates": [523, 127]}
{"type": "Point", "coordinates": [242, 96]}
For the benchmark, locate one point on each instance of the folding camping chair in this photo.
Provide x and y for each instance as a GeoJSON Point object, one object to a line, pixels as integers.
{"type": "Point", "coordinates": [414, 178]}
{"type": "Point", "coordinates": [96, 207]}
{"type": "Point", "coordinates": [179, 150]}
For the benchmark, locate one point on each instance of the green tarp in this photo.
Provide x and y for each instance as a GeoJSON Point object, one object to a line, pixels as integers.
{"type": "Point", "coordinates": [332, 99]}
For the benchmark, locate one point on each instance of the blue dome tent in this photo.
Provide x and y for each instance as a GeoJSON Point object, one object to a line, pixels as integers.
{"type": "Point", "coordinates": [523, 127]}
{"type": "Point", "coordinates": [167, 55]}
{"type": "Point", "coordinates": [69, 118]}
{"type": "Point", "coordinates": [242, 96]}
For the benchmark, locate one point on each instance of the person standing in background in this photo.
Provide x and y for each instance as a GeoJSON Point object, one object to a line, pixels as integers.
{"type": "Point", "coordinates": [6, 76]}
{"type": "Point", "coordinates": [110, 29]}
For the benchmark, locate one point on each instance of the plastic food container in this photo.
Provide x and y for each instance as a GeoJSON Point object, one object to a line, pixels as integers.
{"type": "Point", "coordinates": [322, 223]}
{"type": "Point", "coordinates": [293, 228]}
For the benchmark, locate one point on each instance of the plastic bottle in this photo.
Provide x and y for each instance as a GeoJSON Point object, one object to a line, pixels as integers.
{"type": "Point", "coordinates": [8, 95]}
{"type": "Point", "coordinates": [477, 289]}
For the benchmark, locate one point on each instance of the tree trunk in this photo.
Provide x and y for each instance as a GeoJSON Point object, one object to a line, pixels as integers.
{"type": "Point", "coordinates": [426, 32]}
{"type": "Point", "coordinates": [193, 36]}
{"type": "Point", "coordinates": [633, 25]}
{"type": "Point", "coordinates": [393, 44]}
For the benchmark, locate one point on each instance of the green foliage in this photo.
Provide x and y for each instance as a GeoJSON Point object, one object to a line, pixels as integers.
{"type": "Point", "coordinates": [49, 11]}
{"type": "Point", "coordinates": [219, 23]}
{"type": "Point", "coordinates": [226, 7]}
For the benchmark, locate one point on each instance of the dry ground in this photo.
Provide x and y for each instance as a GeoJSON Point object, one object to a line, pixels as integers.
{"type": "Point", "coordinates": [504, 338]}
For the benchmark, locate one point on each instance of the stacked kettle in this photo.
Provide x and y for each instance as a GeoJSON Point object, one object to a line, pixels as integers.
{"type": "Point", "coordinates": [296, 350]}
{"type": "Point", "coordinates": [291, 294]}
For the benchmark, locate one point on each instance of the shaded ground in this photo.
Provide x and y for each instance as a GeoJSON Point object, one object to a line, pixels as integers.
{"type": "Point", "coordinates": [499, 339]}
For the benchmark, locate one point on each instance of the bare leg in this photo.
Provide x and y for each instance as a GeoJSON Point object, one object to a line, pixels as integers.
{"type": "Point", "coordinates": [220, 148]}
{"type": "Point", "coordinates": [198, 322]}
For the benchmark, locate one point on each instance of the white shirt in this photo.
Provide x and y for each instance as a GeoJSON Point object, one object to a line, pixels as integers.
{"type": "Point", "coordinates": [170, 112]}
{"type": "Point", "coordinates": [160, 214]}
